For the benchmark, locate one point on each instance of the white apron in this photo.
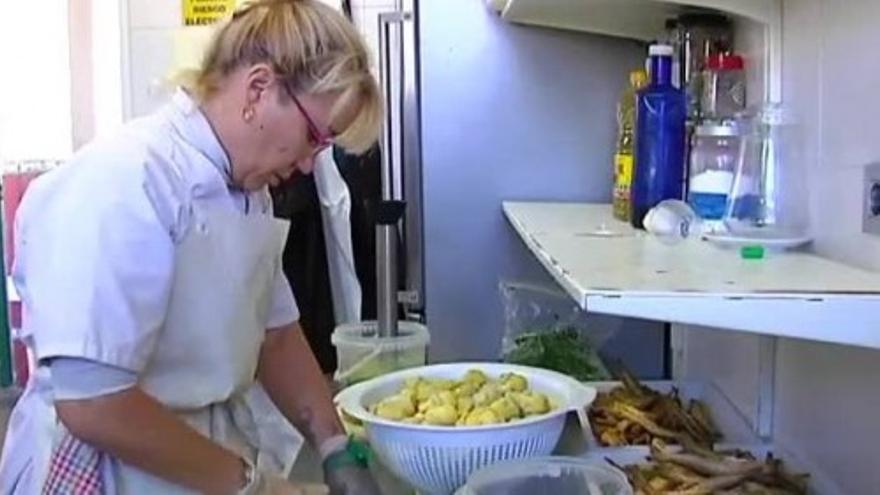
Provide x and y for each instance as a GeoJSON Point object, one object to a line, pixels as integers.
{"type": "Point", "coordinates": [204, 361]}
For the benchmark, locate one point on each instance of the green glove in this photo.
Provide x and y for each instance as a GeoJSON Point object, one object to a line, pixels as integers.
{"type": "Point", "coordinates": [347, 472]}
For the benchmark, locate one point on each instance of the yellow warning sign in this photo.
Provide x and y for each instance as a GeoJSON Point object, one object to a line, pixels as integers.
{"type": "Point", "coordinates": [202, 12]}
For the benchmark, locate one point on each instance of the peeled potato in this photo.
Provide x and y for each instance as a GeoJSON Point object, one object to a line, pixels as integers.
{"type": "Point", "coordinates": [395, 408]}
{"type": "Point", "coordinates": [475, 377]}
{"type": "Point", "coordinates": [464, 406]}
{"type": "Point", "coordinates": [424, 390]}
{"type": "Point", "coordinates": [481, 416]}
{"type": "Point", "coordinates": [466, 389]}
{"type": "Point", "coordinates": [489, 393]}
{"type": "Point", "coordinates": [446, 397]}
{"type": "Point", "coordinates": [444, 384]}
{"type": "Point", "coordinates": [444, 415]}
{"type": "Point", "coordinates": [472, 401]}
{"type": "Point", "coordinates": [511, 382]}
{"type": "Point", "coordinates": [531, 403]}
{"type": "Point", "coordinates": [505, 409]}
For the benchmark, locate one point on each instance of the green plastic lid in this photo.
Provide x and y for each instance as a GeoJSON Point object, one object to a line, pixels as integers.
{"type": "Point", "coordinates": [752, 252]}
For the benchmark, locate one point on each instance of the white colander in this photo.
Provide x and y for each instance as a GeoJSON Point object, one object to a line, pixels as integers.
{"type": "Point", "coordinates": [438, 459]}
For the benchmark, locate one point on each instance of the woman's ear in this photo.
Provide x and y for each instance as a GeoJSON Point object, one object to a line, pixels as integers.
{"type": "Point", "coordinates": [257, 81]}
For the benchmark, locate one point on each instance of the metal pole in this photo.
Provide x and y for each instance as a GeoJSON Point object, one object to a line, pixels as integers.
{"type": "Point", "coordinates": [386, 278]}
{"type": "Point", "coordinates": [387, 239]}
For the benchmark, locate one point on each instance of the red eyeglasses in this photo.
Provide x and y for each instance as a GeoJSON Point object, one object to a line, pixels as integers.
{"type": "Point", "coordinates": [320, 140]}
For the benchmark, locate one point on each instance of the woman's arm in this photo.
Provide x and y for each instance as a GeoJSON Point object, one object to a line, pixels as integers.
{"type": "Point", "coordinates": [135, 428]}
{"type": "Point", "coordinates": [292, 378]}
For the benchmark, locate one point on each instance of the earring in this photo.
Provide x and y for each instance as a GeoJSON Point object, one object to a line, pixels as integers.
{"type": "Point", "coordinates": [247, 114]}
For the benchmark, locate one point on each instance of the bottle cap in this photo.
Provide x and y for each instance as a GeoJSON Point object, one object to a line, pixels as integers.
{"type": "Point", "coordinates": [716, 130]}
{"type": "Point", "coordinates": [752, 252]}
{"type": "Point", "coordinates": [661, 51]}
{"type": "Point", "coordinates": [725, 61]}
{"type": "Point", "coordinates": [638, 78]}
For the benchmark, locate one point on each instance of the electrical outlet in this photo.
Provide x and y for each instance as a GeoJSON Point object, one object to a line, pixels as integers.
{"type": "Point", "coordinates": [871, 200]}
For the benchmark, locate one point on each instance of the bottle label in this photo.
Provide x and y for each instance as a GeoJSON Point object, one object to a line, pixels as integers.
{"type": "Point", "coordinates": [623, 170]}
{"type": "Point", "coordinates": [709, 206]}
{"type": "Point", "coordinates": [623, 177]}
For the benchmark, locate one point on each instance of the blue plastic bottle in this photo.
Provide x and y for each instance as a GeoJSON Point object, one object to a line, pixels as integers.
{"type": "Point", "coordinates": [660, 138]}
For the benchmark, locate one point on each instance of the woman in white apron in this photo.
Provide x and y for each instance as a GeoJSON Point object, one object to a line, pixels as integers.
{"type": "Point", "coordinates": [149, 269]}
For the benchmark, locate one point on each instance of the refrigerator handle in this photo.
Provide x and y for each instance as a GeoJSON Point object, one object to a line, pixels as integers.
{"type": "Point", "coordinates": [385, 80]}
{"type": "Point", "coordinates": [391, 164]}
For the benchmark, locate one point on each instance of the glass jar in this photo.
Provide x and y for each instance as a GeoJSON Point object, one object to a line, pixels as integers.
{"type": "Point", "coordinates": [724, 86]}
{"type": "Point", "coordinates": [714, 152]}
{"type": "Point", "coordinates": [769, 197]}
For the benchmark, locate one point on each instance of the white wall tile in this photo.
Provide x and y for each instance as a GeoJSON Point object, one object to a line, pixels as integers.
{"type": "Point", "coordinates": [155, 13]}
{"type": "Point", "coordinates": [151, 56]}
{"type": "Point", "coordinates": [850, 83]}
{"type": "Point", "coordinates": [831, 85]}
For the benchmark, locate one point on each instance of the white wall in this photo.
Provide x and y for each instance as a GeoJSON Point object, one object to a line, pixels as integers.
{"type": "Point", "coordinates": [508, 112]}
{"type": "Point", "coordinates": [35, 117]}
{"type": "Point", "coordinates": [149, 31]}
{"type": "Point", "coordinates": [827, 405]}
{"type": "Point", "coordinates": [832, 77]}
{"type": "Point", "coordinates": [107, 80]}
{"type": "Point", "coordinates": [827, 401]}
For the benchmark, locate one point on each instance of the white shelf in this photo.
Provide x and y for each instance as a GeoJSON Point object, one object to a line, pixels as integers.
{"type": "Point", "coordinates": [629, 273]}
{"type": "Point", "coordinates": [638, 19]}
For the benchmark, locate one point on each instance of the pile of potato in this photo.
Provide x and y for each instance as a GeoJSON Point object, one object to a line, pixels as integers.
{"type": "Point", "coordinates": [474, 400]}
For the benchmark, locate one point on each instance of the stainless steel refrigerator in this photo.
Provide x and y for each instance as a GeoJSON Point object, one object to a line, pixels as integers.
{"type": "Point", "coordinates": [481, 111]}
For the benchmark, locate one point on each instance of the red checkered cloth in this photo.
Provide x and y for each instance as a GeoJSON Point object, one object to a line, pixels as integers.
{"type": "Point", "coordinates": [75, 470]}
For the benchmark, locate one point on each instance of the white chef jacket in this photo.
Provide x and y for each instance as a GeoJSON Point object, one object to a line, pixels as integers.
{"type": "Point", "coordinates": [106, 229]}
{"type": "Point", "coordinates": [96, 242]}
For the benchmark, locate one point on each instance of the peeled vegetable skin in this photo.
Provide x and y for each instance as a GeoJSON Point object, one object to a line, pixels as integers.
{"type": "Point", "coordinates": [475, 400]}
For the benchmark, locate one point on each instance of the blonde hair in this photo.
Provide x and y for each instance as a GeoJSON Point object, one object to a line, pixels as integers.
{"type": "Point", "coordinates": [312, 49]}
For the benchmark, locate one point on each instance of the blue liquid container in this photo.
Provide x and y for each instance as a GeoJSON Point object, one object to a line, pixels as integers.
{"type": "Point", "coordinates": [659, 171]}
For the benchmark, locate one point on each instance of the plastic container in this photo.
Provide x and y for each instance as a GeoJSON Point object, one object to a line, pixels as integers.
{"type": "Point", "coordinates": [362, 354]}
{"type": "Point", "coordinates": [724, 86]}
{"type": "Point", "coordinates": [660, 138]}
{"type": "Point", "coordinates": [539, 319]}
{"type": "Point", "coordinates": [550, 475]}
{"type": "Point", "coordinates": [714, 152]}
